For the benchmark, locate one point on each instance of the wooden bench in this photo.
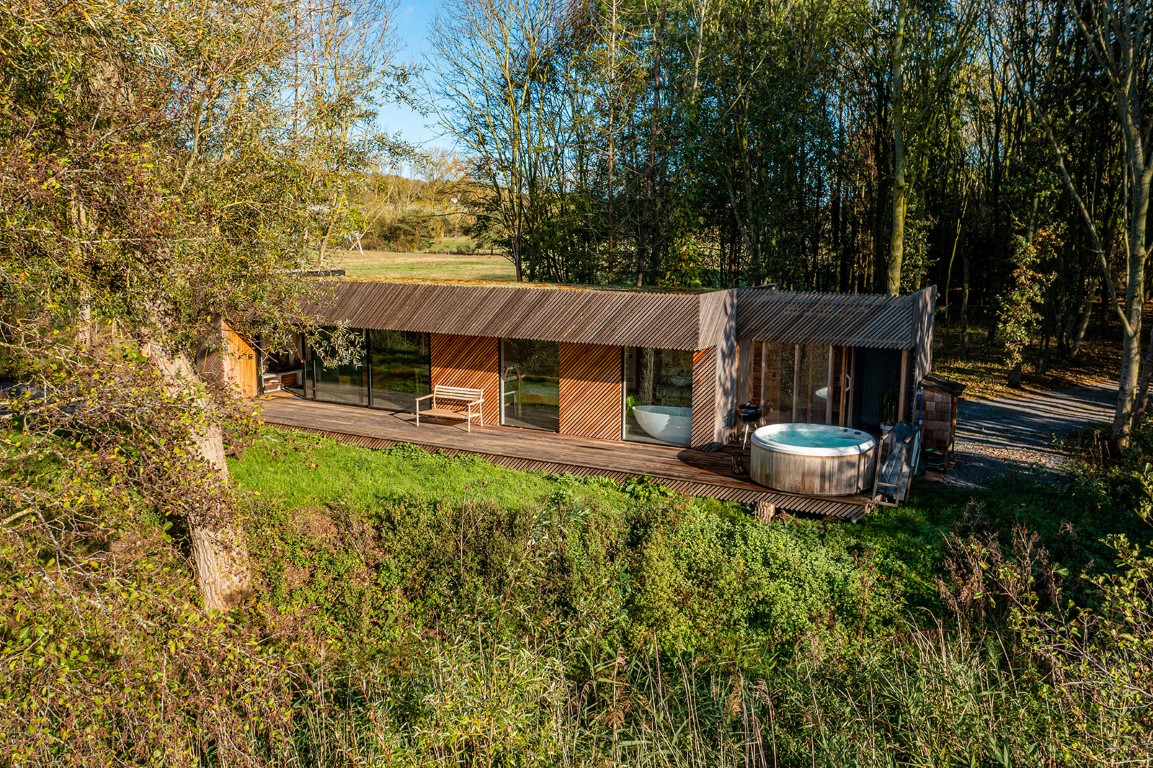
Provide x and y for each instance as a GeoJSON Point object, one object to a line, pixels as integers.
{"type": "Point", "coordinates": [463, 396]}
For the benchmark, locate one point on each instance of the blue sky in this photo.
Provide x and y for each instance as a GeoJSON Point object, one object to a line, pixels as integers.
{"type": "Point", "coordinates": [412, 23]}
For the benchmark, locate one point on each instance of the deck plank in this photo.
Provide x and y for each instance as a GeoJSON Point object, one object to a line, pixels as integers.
{"type": "Point", "coordinates": [695, 473]}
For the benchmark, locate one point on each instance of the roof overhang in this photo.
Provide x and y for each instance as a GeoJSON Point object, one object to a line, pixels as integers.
{"type": "Point", "coordinates": [666, 320]}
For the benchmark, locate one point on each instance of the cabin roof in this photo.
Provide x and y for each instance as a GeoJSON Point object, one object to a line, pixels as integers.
{"type": "Point", "coordinates": [845, 319]}
{"type": "Point", "coordinates": [667, 319]}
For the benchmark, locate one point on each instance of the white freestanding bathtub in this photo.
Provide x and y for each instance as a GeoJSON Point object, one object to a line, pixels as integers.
{"type": "Point", "coordinates": [812, 459]}
{"type": "Point", "coordinates": [667, 423]}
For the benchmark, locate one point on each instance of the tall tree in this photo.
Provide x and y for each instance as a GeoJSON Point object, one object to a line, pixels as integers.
{"type": "Point", "coordinates": [167, 169]}
{"type": "Point", "coordinates": [1119, 35]}
{"type": "Point", "coordinates": [492, 60]}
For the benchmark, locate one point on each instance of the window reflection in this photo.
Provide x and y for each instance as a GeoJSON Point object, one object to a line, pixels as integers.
{"type": "Point", "coordinates": [530, 384]}
{"type": "Point", "coordinates": [658, 395]}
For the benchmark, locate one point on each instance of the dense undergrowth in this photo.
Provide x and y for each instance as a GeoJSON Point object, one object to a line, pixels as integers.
{"type": "Point", "coordinates": [421, 610]}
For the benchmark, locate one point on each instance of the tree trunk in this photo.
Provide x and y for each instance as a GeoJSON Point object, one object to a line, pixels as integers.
{"type": "Point", "coordinates": [219, 552]}
{"type": "Point", "coordinates": [1083, 321]}
{"type": "Point", "coordinates": [900, 161]}
{"type": "Point", "coordinates": [1015, 376]}
{"type": "Point", "coordinates": [1146, 375]}
{"type": "Point", "coordinates": [644, 244]}
{"type": "Point", "coordinates": [965, 302]}
{"type": "Point", "coordinates": [1125, 417]}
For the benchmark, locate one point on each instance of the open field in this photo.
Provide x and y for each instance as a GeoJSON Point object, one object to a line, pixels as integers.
{"type": "Point", "coordinates": [448, 266]}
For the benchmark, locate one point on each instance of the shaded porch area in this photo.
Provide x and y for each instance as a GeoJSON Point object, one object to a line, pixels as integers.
{"type": "Point", "coordinates": [719, 475]}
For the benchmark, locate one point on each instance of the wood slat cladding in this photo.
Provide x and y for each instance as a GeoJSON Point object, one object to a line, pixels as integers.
{"type": "Point", "coordinates": [851, 320]}
{"type": "Point", "coordinates": [718, 318]}
{"type": "Point", "coordinates": [468, 361]}
{"type": "Point", "coordinates": [924, 307]}
{"type": "Point", "coordinates": [546, 313]}
{"type": "Point", "coordinates": [238, 360]}
{"type": "Point", "coordinates": [705, 402]}
{"type": "Point", "coordinates": [590, 391]}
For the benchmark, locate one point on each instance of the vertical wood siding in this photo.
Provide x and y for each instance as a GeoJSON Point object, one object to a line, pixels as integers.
{"type": "Point", "coordinates": [924, 307]}
{"type": "Point", "coordinates": [590, 391]}
{"type": "Point", "coordinates": [468, 361]}
{"type": "Point", "coordinates": [728, 375]}
{"type": "Point", "coordinates": [239, 363]}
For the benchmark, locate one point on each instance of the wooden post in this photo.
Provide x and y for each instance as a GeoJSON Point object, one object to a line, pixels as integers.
{"type": "Point", "coordinates": [852, 383]}
{"type": "Point", "coordinates": [845, 382]}
{"type": "Point", "coordinates": [796, 378]}
{"type": "Point", "coordinates": [764, 371]}
{"type": "Point", "coordinates": [904, 391]}
{"type": "Point", "coordinates": [829, 389]}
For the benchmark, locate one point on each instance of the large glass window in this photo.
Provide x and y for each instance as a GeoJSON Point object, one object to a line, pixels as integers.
{"type": "Point", "coordinates": [400, 368]}
{"type": "Point", "coordinates": [799, 382]}
{"type": "Point", "coordinates": [288, 365]}
{"type": "Point", "coordinates": [530, 384]}
{"type": "Point", "coordinates": [658, 395]}
{"type": "Point", "coordinates": [347, 383]}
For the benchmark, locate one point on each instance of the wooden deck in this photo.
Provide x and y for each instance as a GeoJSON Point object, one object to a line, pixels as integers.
{"type": "Point", "coordinates": [695, 473]}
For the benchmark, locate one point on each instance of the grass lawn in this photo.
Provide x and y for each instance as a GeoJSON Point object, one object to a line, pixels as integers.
{"type": "Point", "coordinates": [421, 264]}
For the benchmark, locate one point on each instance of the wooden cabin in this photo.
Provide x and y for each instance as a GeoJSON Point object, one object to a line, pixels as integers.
{"type": "Point", "coordinates": [606, 363]}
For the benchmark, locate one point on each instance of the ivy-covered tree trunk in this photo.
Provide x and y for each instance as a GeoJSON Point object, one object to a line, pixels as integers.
{"type": "Point", "coordinates": [219, 551]}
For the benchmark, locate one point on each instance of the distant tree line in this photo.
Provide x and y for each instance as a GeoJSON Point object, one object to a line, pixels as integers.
{"type": "Point", "coordinates": [846, 145]}
{"type": "Point", "coordinates": [413, 208]}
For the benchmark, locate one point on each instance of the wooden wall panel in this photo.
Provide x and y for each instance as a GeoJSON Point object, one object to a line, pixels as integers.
{"type": "Point", "coordinates": [667, 320]}
{"type": "Point", "coordinates": [727, 382]}
{"type": "Point", "coordinates": [468, 361]}
{"type": "Point", "coordinates": [705, 401]}
{"type": "Point", "coordinates": [591, 390]}
{"type": "Point", "coordinates": [239, 363]}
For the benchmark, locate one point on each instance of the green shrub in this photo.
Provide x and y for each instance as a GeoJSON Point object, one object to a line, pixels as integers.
{"type": "Point", "coordinates": [420, 610]}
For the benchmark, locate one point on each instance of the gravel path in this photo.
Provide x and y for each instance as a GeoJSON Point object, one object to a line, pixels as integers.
{"type": "Point", "coordinates": [1015, 434]}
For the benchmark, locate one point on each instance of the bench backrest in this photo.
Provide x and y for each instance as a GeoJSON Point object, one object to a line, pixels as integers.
{"type": "Point", "coordinates": [458, 393]}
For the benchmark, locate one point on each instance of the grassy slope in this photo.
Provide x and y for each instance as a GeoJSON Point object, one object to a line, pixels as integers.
{"type": "Point", "coordinates": [295, 472]}
{"type": "Point", "coordinates": [560, 582]}
{"type": "Point", "coordinates": [899, 550]}
{"type": "Point", "coordinates": [420, 610]}
{"type": "Point", "coordinates": [449, 266]}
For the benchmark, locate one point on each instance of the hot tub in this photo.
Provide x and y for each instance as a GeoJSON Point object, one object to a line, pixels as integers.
{"type": "Point", "coordinates": [667, 423]}
{"type": "Point", "coordinates": [812, 459]}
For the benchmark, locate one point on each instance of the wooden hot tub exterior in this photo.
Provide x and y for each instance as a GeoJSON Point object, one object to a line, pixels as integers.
{"type": "Point", "coordinates": [837, 472]}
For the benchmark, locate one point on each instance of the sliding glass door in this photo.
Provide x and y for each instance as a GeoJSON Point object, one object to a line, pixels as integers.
{"type": "Point", "coordinates": [344, 383]}
{"type": "Point", "coordinates": [392, 372]}
{"type": "Point", "coordinates": [530, 384]}
{"type": "Point", "coordinates": [400, 368]}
